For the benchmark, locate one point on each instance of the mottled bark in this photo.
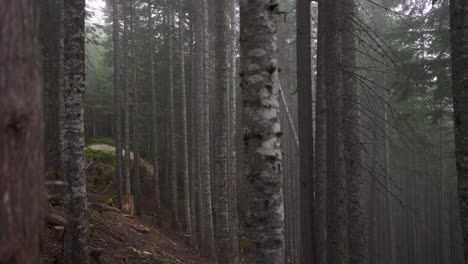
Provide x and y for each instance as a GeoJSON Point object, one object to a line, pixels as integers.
{"type": "Point", "coordinates": [22, 203]}
{"type": "Point", "coordinates": [459, 38]}
{"type": "Point", "coordinates": [173, 151]}
{"type": "Point", "coordinates": [76, 230]}
{"type": "Point", "coordinates": [335, 158]}
{"type": "Point", "coordinates": [154, 119]}
{"type": "Point", "coordinates": [306, 136]}
{"type": "Point", "coordinates": [320, 145]}
{"type": "Point", "coordinates": [353, 152]}
{"type": "Point", "coordinates": [185, 157]}
{"type": "Point", "coordinates": [207, 247]}
{"type": "Point", "coordinates": [136, 188]}
{"type": "Point", "coordinates": [263, 215]}
{"type": "Point", "coordinates": [232, 152]}
{"type": "Point", "coordinates": [126, 90]}
{"type": "Point", "coordinates": [221, 207]}
{"type": "Point", "coordinates": [117, 101]}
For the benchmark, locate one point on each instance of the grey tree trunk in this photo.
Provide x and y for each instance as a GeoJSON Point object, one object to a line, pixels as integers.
{"type": "Point", "coordinates": [233, 219]}
{"type": "Point", "coordinates": [335, 158]}
{"type": "Point", "coordinates": [21, 134]}
{"type": "Point", "coordinates": [173, 151]}
{"type": "Point", "coordinates": [221, 205]}
{"type": "Point", "coordinates": [263, 215]}
{"type": "Point", "coordinates": [306, 135]}
{"type": "Point", "coordinates": [156, 182]}
{"type": "Point", "coordinates": [126, 104]}
{"type": "Point", "coordinates": [117, 101]}
{"type": "Point", "coordinates": [459, 38]}
{"type": "Point", "coordinates": [320, 145]}
{"type": "Point", "coordinates": [76, 230]}
{"type": "Point", "coordinates": [353, 152]}
{"type": "Point", "coordinates": [136, 188]}
{"type": "Point", "coordinates": [185, 158]}
{"type": "Point", "coordinates": [207, 247]}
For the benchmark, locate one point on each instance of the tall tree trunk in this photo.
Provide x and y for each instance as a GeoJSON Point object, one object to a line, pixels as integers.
{"type": "Point", "coordinates": [207, 248]}
{"type": "Point", "coordinates": [173, 151]}
{"type": "Point", "coordinates": [320, 145]}
{"type": "Point", "coordinates": [306, 136]}
{"type": "Point", "coordinates": [185, 158]}
{"type": "Point", "coordinates": [154, 116]}
{"type": "Point", "coordinates": [221, 206]}
{"type": "Point", "coordinates": [126, 102]}
{"type": "Point", "coordinates": [335, 158]}
{"type": "Point", "coordinates": [76, 230]}
{"type": "Point", "coordinates": [232, 185]}
{"type": "Point", "coordinates": [136, 188]}
{"type": "Point", "coordinates": [117, 101]}
{"type": "Point", "coordinates": [459, 38]}
{"type": "Point", "coordinates": [264, 213]}
{"type": "Point", "coordinates": [21, 135]}
{"type": "Point", "coordinates": [353, 153]}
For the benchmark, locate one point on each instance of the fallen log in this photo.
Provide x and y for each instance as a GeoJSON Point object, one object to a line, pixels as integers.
{"type": "Point", "coordinates": [55, 220]}
{"type": "Point", "coordinates": [103, 208]}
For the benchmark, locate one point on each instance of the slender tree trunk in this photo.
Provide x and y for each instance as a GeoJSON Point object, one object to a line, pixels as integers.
{"type": "Point", "coordinates": [459, 38]}
{"type": "Point", "coordinates": [335, 157]}
{"type": "Point", "coordinates": [173, 151]}
{"type": "Point", "coordinates": [136, 188]}
{"type": "Point", "coordinates": [306, 136]}
{"type": "Point", "coordinates": [156, 180]}
{"type": "Point", "coordinates": [126, 102]}
{"type": "Point", "coordinates": [264, 213]}
{"type": "Point", "coordinates": [352, 137]}
{"type": "Point", "coordinates": [233, 219]}
{"type": "Point", "coordinates": [21, 134]}
{"type": "Point", "coordinates": [117, 101]}
{"type": "Point", "coordinates": [185, 161]}
{"type": "Point", "coordinates": [76, 230]}
{"type": "Point", "coordinates": [207, 248]}
{"type": "Point", "coordinates": [221, 206]}
{"type": "Point", "coordinates": [320, 145]}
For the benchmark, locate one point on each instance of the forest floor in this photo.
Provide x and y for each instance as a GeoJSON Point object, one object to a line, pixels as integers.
{"type": "Point", "coordinates": [114, 237]}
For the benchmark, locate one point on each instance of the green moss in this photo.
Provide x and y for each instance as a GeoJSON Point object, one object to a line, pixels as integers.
{"type": "Point", "coordinates": [100, 157]}
{"type": "Point", "coordinates": [100, 140]}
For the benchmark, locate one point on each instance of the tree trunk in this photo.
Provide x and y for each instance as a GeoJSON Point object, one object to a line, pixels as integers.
{"type": "Point", "coordinates": [459, 38]}
{"type": "Point", "coordinates": [136, 188]}
{"type": "Point", "coordinates": [353, 153]}
{"type": "Point", "coordinates": [233, 219]}
{"type": "Point", "coordinates": [320, 145]}
{"type": "Point", "coordinates": [264, 212]}
{"type": "Point", "coordinates": [207, 248]}
{"type": "Point", "coordinates": [21, 135]}
{"type": "Point", "coordinates": [117, 101]}
{"type": "Point", "coordinates": [173, 151]}
{"type": "Point", "coordinates": [126, 103]}
{"type": "Point", "coordinates": [185, 158]}
{"type": "Point", "coordinates": [221, 206]}
{"type": "Point", "coordinates": [154, 116]}
{"type": "Point", "coordinates": [335, 158]}
{"type": "Point", "coordinates": [76, 230]}
{"type": "Point", "coordinates": [306, 136]}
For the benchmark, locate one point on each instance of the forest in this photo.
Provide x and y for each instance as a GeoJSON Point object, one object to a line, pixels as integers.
{"type": "Point", "coordinates": [234, 131]}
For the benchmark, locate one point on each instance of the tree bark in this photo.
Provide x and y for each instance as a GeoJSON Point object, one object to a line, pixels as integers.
{"type": "Point", "coordinates": [320, 145]}
{"type": "Point", "coordinates": [335, 158]}
{"type": "Point", "coordinates": [22, 203]}
{"type": "Point", "coordinates": [185, 158]}
{"type": "Point", "coordinates": [306, 135]}
{"type": "Point", "coordinates": [221, 206]}
{"type": "Point", "coordinates": [76, 230]}
{"type": "Point", "coordinates": [173, 151]}
{"type": "Point", "coordinates": [353, 153]}
{"type": "Point", "coordinates": [264, 212]}
{"type": "Point", "coordinates": [117, 101]}
{"type": "Point", "coordinates": [459, 39]}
